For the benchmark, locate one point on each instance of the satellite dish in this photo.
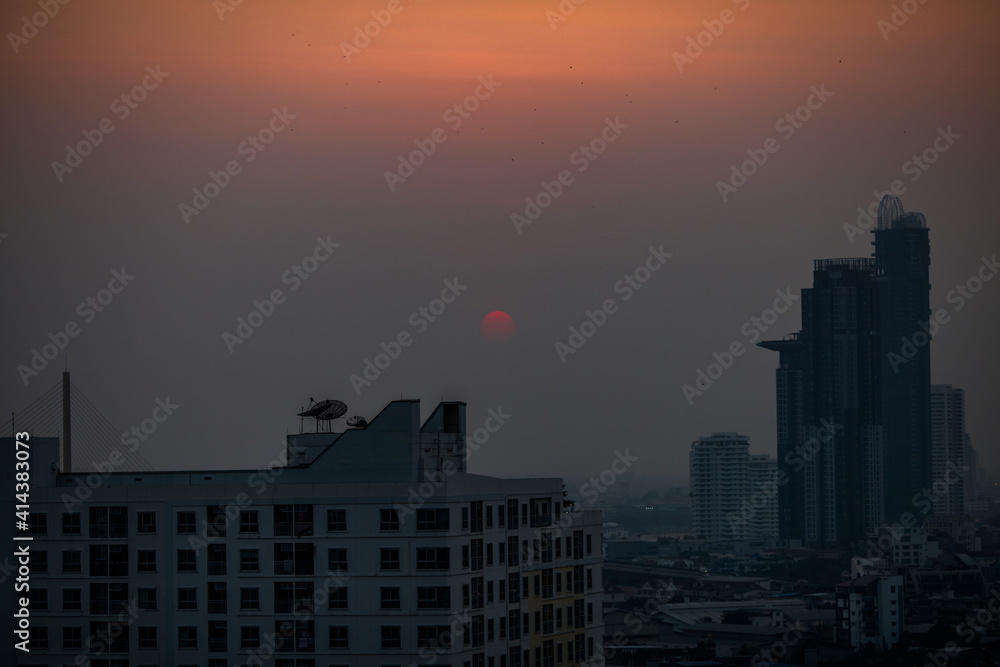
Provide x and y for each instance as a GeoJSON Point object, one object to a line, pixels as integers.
{"type": "Point", "coordinates": [334, 410]}
{"type": "Point", "coordinates": [357, 421]}
{"type": "Point", "coordinates": [318, 408]}
{"type": "Point", "coordinates": [327, 411]}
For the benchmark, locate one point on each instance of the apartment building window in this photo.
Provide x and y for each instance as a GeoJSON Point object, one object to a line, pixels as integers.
{"type": "Point", "coordinates": [577, 544]}
{"type": "Point", "coordinates": [513, 588]}
{"type": "Point", "coordinates": [38, 638]}
{"type": "Point", "coordinates": [502, 586]}
{"type": "Point", "coordinates": [337, 596]}
{"type": "Point", "coordinates": [388, 519]}
{"type": "Point", "coordinates": [72, 599]}
{"type": "Point", "coordinates": [513, 554]}
{"type": "Point", "coordinates": [293, 597]}
{"type": "Point", "coordinates": [547, 584]}
{"type": "Point", "coordinates": [146, 598]}
{"type": "Point", "coordinates": [391, 636]}
{"type": "Point", "coordinates": [218, 632]}
{"type": "Point", "coordinates": [187, 560]}
{"type": "Point", "coordinates": [293, 520]}
{"type": "Point", "coordinates": [590, 578]}
{"type": "Point", "coordinates": [515, 656]}
{"type": "Point", "coordinates": [477, 592]}
{"type": "Point", "coordinates": [590, 544]}
{"type": "Point", "coordinates": [38, 523]}
{"type": "Point", "coordinates": [185, 522]}
{"type": "Point", "coordinates": [558, 618]}
{"type": "Point", "coordinates": [72, 638]}
{"type": "Point", "coordinates": [294, 558]}
{"type": "Point", "coordinates": [548, 654]}
{"type": "Point", "coordinates": [390, 598]}
{"type": "Point", "coordinates": [546, 547]}
{"type": "Point", "coordinates": [217, 597]}
{"type": "Point", "coordinates": [71, 523]}
{"type": "Point", "coordinates": [187, 599]}
{"type": "Point", "coordinates": [476, 516]}
{"type": "Point", "coordinates": [558, 583]}
{"type": "Point", "coordinates": [500, 515]}
{"type": "Point", "coordinates": [109, 560]}
{"type": "Point", "coordinates": [501, 553]}
{"type": "Point", "coordinates": [108, 522]}
{"type": "Point", "coordinates": [39, 562]}
{"type": "Point", "coordinates": [434, 636]}
{"type": "Point", "coordinates": [433, 558]}
{"type": "Point", "coordinates": [389, 559]}
{"type": "Point", "coordinates": [216, 559]}
{"type": "Point", "coordinates": [578, 649]}
{"type": "Point", "coordinates": [249, 560]}
{"type": "Point", "coordinates": [249, 636]}
{"type": "Point", "coordinates": [578, 618]}
{"type": "Point", "coordinates": [108, 598]}
{"type": "Point", "coordinates": [187, 636]}
{"type": "Point", "coordinates": [38, 599]}
{"type": "Point", "coordinates": [434, 597]}
{"type": "Point", "coordinates": [465, 556]}
{"type": "Point", "coordinates": [577, 579]}
{"type": "Point", "coordinates": [215, 521]}
{"type": "Point", "coordinates": [336, 560]}
{"type": "Point", "coordinates": [295, 637]}
{"type": "Point", "coordinates": [465, 518]}
{"type": "Point", "coordinates": [110, 636]}
{"type": "Point", "coordinates": [249, 599]}
{"type": "Point", "coordinates": [339, 637]}
{"type": "Point", "coordinates": [514, 624]}
{"type": "Point", "coordinates": [558, 545]}
{"type": "Point", "coordinates": [489, 592]}
{"type": "Point", "coordinates": [434, 519]}
{"type": "Point", "coordinates": [336, 521]}
{"type": "Point", "coordinates": [249, 522]}
{"type": "Point", "coordinates": [477, 555]}
{"type": "Point", "coordinates": [145, 560]}
{"type": "Point", "coordinates": [478, 632]}
{"type": "Point", "coordinates": [512, 513]}
{"type": "Point", "coordinates": [145, 523]}
{"type": "Point", "coordinates": [466, 588]}
{"type": "Point", "coordinates": [489, 554]}
{"type": "Point", "coordinates": [147, 636]}
{"type": "Point", "coordinates": [489, 516]}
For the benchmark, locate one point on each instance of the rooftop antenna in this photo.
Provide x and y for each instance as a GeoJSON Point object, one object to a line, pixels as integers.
{"type": "Point", "coordinates": [67, 430]}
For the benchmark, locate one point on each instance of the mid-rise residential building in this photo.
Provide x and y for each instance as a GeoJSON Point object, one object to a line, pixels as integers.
{"type": "Point", "coordinates": [952, 459]}
{"type": "Point", "coordinates": [733, 495]}
{"type": "Point", "coordinates": [364, 548]}
{"type": "Point", "coordinates": [870, 611]}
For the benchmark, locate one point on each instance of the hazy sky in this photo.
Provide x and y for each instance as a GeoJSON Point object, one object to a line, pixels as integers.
{"type": "Point", "coordinates": [672, 129]}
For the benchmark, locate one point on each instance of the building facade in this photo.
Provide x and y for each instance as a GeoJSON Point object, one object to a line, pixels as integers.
{"type": "Point", "coordinates": [870, 611]}
{"type": "Point", "coordinates": [731, 499]}
{"type": "Point", "coordinates": [371, 547]}
{"type": "Point", "coordinates": [952, 460]}
{"type": "Point", "coordinates": [860, 370]}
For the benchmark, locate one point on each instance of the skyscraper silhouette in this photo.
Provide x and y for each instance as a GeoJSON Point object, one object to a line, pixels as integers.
{"type": "Point", "coordinates": [853, 430]}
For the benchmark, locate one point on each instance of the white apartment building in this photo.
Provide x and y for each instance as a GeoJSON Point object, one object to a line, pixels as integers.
{"type": "Point", "coordinates": [731, 498]}
{"type": "Point", "coordinates": [951, 452]}
{"type": "Point", "coordinates": [368, 548]}
{"type": "Point", "coordinates": [870, 611]}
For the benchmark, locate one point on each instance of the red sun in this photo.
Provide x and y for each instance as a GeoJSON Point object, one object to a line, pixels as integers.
{"type": "Point", "coordinates": [497, 325]}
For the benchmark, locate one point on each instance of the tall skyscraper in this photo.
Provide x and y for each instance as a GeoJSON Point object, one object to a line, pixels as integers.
{"type": "Point", "coordinates": [729, 500]}
{"type": "Point", "coordinates": [952, 461]}
{"type": "Point", "coordinates": [902, 257]}
{"type": "Point", "coordinates": [852, 436]}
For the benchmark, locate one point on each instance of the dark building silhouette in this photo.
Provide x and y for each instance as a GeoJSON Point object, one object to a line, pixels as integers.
{"type": "Point", "coordinates": [902, 258]}
{"type": "Point", "coordinates": [853, 429]}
